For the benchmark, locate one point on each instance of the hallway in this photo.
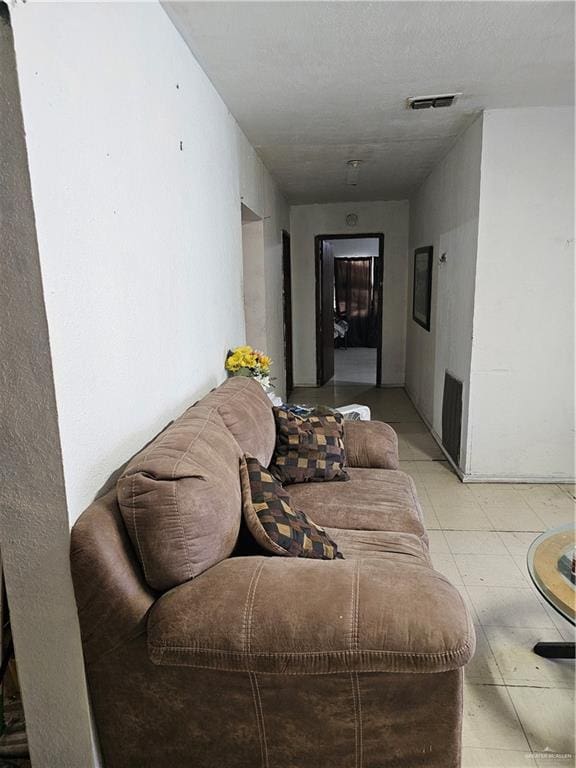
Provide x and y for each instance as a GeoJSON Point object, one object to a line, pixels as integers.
{"type": "Point", "coordinates": [516, 704]}
{"type": "Point", "coordinates": [355, 365]}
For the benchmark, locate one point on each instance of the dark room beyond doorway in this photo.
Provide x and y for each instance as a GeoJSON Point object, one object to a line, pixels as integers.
{"type": "Point", "coordinates": [349, 308]}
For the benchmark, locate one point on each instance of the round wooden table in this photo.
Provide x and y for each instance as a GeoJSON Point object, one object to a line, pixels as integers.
{"type": "Point", "coordinates": [549, 566]}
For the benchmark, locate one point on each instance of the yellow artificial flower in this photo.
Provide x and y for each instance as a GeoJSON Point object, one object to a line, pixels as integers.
{"type": "Point", "coordinates": [246, 357]}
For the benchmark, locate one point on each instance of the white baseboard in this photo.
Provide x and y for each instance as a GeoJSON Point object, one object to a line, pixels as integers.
{"type": "Point", "coordinates": [305, 385]}
{"type": "Point", "coordinates": [535, 479]}
{"type": "Point", "coordinates": [385, 385]}
{"type": "Point", "coordinates": [476, 478]}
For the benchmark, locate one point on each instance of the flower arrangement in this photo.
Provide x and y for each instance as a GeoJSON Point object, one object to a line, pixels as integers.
{"type": "Point", "coordinates": [245, 361]}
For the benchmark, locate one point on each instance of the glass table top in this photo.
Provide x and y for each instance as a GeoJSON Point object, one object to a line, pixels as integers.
{"type": "Point", "coordinates": [550, 565]}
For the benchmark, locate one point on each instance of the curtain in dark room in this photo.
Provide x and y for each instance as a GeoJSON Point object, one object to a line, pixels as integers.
{"type": "Point", "coordinates": [356, 300]}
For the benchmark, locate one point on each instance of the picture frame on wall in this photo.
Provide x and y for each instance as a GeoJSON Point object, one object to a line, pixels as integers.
{"type": "Point", "coordinates": [422, 286]}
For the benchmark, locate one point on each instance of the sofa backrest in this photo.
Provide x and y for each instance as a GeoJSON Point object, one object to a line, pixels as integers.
{"type": "Point", "coordinates": [246, 410]}
{"type": "Point", "coordinates": [180, 498]}
{"type": "Point", "coordinates": [176, 509]}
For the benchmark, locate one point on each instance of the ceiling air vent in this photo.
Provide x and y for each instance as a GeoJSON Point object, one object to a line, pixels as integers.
{"type": "Point", "coordinates": [426, 102]}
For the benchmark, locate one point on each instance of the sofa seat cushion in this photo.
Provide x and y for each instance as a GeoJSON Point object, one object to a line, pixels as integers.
{"type": "Point", "coordinates": [408, 547]}
{"type": "Point", "coordinates": [246, 410]}
{"type": "Point", "coordinates": [371, 444]}
{"type": "Point", "coordinates": [373, 500]}
{"type": "Point", "coordinates": [299, 617]}
{"type": "Point", "coordinates": [180, 499]}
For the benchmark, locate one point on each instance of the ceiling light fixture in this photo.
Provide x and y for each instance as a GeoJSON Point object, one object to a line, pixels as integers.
{"type": "Point", "coordinates": [352, 172]}
{"type": "Point", "coordinates": [426, 102]}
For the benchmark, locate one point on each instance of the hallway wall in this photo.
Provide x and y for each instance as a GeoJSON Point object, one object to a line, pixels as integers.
{"type": "Point", "coordinates": [34, 533]}
{"type": "Point", "coordinates": [139, 224]}
{"type": "Point", "coordinates": [254, 281]}
{"type": "Point", "coordinates": [522, 380]}
{"type": "Point", "coordinates": [444, 214]}
{"type": "Point", "coordinates": [307, 221]}
{"type": "Point", "coordinates": [260, 193]}
{"type": "Point", "coordinates": [501, 206]}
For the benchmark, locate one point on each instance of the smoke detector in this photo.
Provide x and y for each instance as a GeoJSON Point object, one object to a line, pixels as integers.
{"type": "Point", "coordinates": [427, 102]}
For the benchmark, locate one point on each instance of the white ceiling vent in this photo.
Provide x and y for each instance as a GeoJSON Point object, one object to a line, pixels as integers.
{"type": "Point", "coordinates": [427, 102]}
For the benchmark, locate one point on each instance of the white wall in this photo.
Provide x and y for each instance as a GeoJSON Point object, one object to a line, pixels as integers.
{"type": "Point", "coordinates": [254, 282]}
{"type": "Point", "coordinates": [501, 206]}
{"type": "Point", "coordinates": [261, 195]}
{"type": "Point", "coordinates": [522, 387]}
{"type": "Point", "coordinates": [140, 240]}
{"type": "Point", "coordinates": [34, 532]}
{"type": "Point", "coordinates": [444, 214]}
{"type": "Point", "coordinates": [307, 221]}
{"type": "Point", "coordinates": [137, 171]}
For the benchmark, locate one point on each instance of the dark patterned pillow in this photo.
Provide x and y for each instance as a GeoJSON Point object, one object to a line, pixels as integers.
{"type": "Point", "coordinates": [274, 523]}
{"type": "Point", "coordinates": [308, 450]}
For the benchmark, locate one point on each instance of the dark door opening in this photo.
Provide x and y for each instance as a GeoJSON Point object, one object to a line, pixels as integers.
{"type": "Point", "coordinates": [349, 289]}
{"type": "Point", "coordinates": [287, 312]}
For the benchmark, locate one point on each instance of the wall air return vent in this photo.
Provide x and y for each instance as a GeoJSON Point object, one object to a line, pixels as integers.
{"type": "Point", "coordinates": [428, 102]}
{"type": "Point", "coordinates": [452, 416]}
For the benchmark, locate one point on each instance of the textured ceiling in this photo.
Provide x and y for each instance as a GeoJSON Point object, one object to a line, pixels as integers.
{"type": "Point", "coordinates": [315, 84]}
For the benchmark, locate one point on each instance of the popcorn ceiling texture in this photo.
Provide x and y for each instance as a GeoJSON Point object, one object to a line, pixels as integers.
{"type": "Point", "coordinates": [314, 85]}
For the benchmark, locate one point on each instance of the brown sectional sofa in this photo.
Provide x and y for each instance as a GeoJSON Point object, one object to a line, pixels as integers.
{"type": "Point", "coordinates": [270, 662]}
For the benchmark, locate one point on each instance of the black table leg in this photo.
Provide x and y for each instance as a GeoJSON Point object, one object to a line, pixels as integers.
{"type": "Point", "coordinates": [556, 650]}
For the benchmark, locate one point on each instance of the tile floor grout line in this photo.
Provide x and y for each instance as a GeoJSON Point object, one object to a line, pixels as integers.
{"type": "Point", "coordinates": [519, 718]}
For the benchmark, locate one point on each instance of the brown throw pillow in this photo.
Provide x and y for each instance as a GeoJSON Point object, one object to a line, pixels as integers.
{"type": "Point", "coordinates": [274, 523]}
{"type": "Point", "coordinates": [308, 450]}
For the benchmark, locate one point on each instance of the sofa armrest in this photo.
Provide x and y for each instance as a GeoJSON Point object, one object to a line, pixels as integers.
{"type": "Point", "coordinates": [298, 616]}
{"type": "Point", "coordinates": [371, 444]}
{"type": "Point", "coordinates": [111, 594]}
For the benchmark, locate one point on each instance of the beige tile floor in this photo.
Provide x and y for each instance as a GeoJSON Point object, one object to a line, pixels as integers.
{"type": "Point", "coordinates": [355, 365]}
{"type": "Point", "coordinates": [518, 707]}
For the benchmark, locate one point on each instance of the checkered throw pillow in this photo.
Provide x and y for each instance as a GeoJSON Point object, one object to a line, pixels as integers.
{"type": "Point", "coordinates": [273, 521]}
{"type": "Point", "coordinates": [308, 450]}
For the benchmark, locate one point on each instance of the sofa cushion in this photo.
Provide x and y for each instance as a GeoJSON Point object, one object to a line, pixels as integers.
{"type": "Point", "coordinates": [308, 450]}
{"type": "Point", "coordinates": [397, 545]}
{"type": "Point", "coordinates": [371, 444]}
{"type": "Point", "coordinates": [274, 523]}
{"type": "Point", "coordinates": [246, 410]}
{"type": "Point", "coordinates": [180, 499]}
{"type": "Point", "coordinates": [374, 499]}
{"type": "Point", "coordinates": [297, 617]}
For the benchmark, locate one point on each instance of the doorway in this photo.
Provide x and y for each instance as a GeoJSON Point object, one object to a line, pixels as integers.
{"type": "Point", "coordinates": [253, 273]}
{"type": "Point", "coordinates": [349, 283]}
{"type": "Point", "coordinates": [287, 311]}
